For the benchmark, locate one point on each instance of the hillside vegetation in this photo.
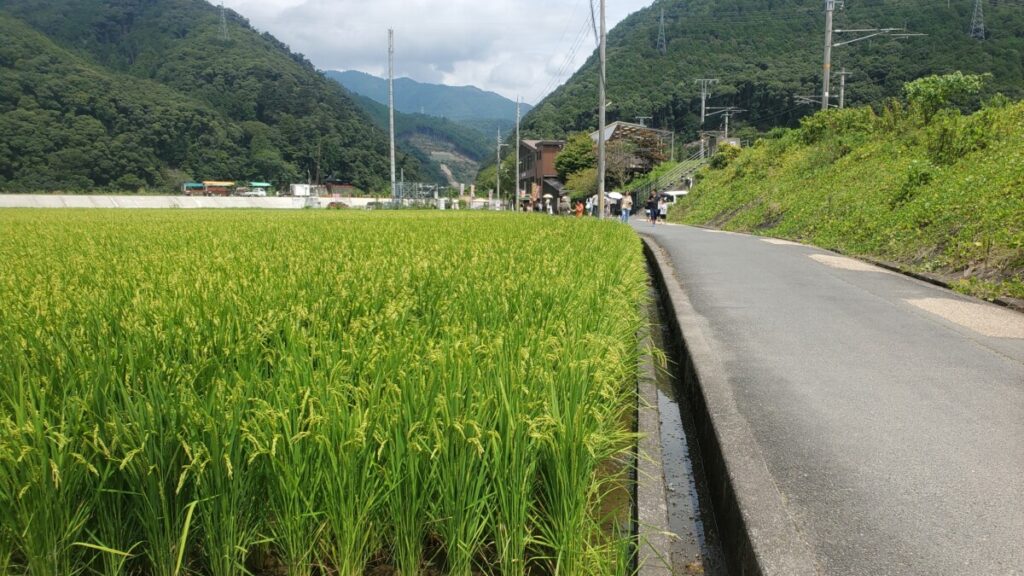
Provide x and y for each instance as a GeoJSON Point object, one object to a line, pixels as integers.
{"type": "Point", "coordinates": [921, 185]}
{"type": "Point", "coordinates": [142, 94]}
{"type": "Point", "coordinates": [765, 52]}
{"type": "Point", "coordinates": [428, 138]}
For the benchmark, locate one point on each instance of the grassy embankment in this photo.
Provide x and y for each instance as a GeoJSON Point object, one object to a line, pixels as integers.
{"type": "Point", "coordinates": [302, 393]}
{"type": "Point", "coordinates": [938, 192]}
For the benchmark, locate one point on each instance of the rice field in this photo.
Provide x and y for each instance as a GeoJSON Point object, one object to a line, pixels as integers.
{"type": "Point", "coordinates": [311, 393]}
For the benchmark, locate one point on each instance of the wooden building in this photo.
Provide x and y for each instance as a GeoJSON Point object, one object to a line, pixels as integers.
{"type": "Point", "coordinates": [537, 175]}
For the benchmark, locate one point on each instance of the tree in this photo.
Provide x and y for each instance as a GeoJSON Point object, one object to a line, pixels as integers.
{"type": "Point", "coordinates": [620, 161]}
{"type": "Point", "coordinates": [579, 153]}
{"type": "Point", "coordinates": [582, 184]}
{"type": "Point", "coordinates": [933, 93]}
{"type": "Point", "coordinates": [650, 151]}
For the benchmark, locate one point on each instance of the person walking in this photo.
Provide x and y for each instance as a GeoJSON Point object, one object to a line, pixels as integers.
{"type": "Point", "coordinates": [663, 209]}
{"type": "Point", "coordinates": [652, 209]}
{"type": "Point", "coordinates": [627, 207]}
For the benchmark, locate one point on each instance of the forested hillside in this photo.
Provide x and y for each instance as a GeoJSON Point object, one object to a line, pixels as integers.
{"type": "Point", "coordinates": [133, 94]}
{"type": "Point", "coordinates": [766, 52]}
{"type": "Point", "coordinates": [429, 137]}
{"type": "Point", "coordinates": [920, 184]}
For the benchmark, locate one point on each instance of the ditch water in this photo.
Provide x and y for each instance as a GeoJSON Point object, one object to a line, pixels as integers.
{"type": "Point", "coordinates": [697, 548]}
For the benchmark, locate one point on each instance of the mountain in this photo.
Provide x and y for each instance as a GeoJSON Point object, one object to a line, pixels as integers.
{"type": "Point", "coordinates": [98, 94]}
{"type": "Point", "coordinates": [767, 52]}
{"type": "Point", "coordinates": [485, 111]}
{"type": "Point", "coordinates": [448, 152]}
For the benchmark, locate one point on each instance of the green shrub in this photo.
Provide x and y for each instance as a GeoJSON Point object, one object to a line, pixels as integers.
{"type": "Point", "coordinates": [726, 154]}
{"type": "Point", "coordinates": [930, 94]}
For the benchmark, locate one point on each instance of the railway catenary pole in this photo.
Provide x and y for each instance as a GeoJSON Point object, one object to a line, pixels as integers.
{"type": "Point", "coordinates": [601, 164]}
{"type": "Point", "coordinates": [705, 86]}
{"type": "Point", "coordinates": [842, 88]}
{"type": "Point", "coordinates": [515, 201]}
{"type": "Point", "coordinates": [830, 6]}
{"type": "Point", "coordinates": [497, 170]}
{"type": "Point", "coordinates": [391, 106]}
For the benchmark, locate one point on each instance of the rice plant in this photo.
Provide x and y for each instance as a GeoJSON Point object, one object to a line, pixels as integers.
{"type": "Point", "coordinates": [233, 393]}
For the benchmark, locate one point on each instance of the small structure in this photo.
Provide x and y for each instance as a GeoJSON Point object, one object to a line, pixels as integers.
{"type": "Point", "coordinates": [260, 188]}
{"type": "Point", "coordinates": [308, 190]}
{"type": "Point", "coordinates": [633, 132]}
{"type": "Point", "coordinates": [538, 175]}
{"type": "Point", "coordinates": [217, 187]}
{"type": "Point", "coordinates": [339, 188]}
{"type": "Point", "coordinates": [193, 189]}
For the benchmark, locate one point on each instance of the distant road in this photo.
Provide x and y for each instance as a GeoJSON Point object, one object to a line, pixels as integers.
{"type": "Point", "coordinates": [889, 412]}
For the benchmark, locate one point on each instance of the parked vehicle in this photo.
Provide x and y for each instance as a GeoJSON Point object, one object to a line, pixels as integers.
{"type": "Point", "coordinates": [671, 196]}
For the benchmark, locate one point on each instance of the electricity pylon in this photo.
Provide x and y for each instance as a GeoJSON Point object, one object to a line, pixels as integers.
{"type": "Point", "coordinates": [662, 42]}
{"type": "Point", "coordinates": [978, 22]}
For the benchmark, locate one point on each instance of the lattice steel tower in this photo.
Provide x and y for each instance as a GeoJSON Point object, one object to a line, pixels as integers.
{"type": "Point", "coordinates": [223, 24]}
{"type": "Point", "coordinates": [662, 43]}
{"type": "Point", "coordinates": [978, 22]}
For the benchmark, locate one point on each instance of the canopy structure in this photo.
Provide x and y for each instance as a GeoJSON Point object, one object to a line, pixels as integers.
{"type": "Point", "coordinates": [260, 184]}
{"type": "Point", "coordinates": [217, 183]}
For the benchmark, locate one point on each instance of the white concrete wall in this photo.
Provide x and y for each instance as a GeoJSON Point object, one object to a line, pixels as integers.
{"type": "Point", "coordinates": [110, 201]}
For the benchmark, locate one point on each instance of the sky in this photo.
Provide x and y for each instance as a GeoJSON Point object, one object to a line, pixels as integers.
{"type": "Point", "coordinates": [517, 48]}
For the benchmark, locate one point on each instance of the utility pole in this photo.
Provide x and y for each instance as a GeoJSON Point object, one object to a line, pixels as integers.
{"type": "Point", "coordinates": [830, 6]}
{"type": "Point", "coordinates": [601, 164]}
{"type": "Point", "coordinates": [726, 112]}
{"type": "Point", "coordinates": [662, 43]}
{"type": "Point", "coordinates": [515, 201]}
{"type": "Point", "coordinates": [391, 105]}
{"type": "Point", "coordinates": [705, 90]}
{"type": "Point", "coordinates": [978, 22]}
{"type": "Point", "coordinates": [842, 88]}
{"type": "Point", "coordinates": [497, 170]}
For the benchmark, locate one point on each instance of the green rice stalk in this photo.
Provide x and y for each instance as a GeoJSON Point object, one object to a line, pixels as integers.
{"type": "Point", "coordinates": [229, 486]}
{"type": "Point", "coordinates": [353, 492]}
{"type": "Point", "coordinates": [293, 477]}
{"type": "Point", "coordinates": [465, 493]}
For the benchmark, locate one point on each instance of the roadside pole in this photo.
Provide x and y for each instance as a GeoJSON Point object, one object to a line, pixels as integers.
{"type": "Point", "coordinates": [601, 121]}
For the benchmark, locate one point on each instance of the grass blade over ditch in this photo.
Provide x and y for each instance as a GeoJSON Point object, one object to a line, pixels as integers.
{"type": "Point", "coordinates": [312, 393]}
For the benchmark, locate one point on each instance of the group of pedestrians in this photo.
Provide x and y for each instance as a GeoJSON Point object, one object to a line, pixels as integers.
{"type": "Point", "coordinates": [656, 208]}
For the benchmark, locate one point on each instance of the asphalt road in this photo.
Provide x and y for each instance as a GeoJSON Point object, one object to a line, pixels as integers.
{"type": "Point", "coordinates": [889, 412]}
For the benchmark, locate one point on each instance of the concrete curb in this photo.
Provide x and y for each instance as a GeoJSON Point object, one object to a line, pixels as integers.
{"type": "Point", "coordinates": [653, 544]}
{"type": "Point", "coordinates": [758, 534]}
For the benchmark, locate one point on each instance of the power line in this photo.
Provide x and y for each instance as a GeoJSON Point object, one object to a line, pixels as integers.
{"type": "Point", "coordinates": [864, 34]}
{"type": "Point", "coordinates": [567, 62]}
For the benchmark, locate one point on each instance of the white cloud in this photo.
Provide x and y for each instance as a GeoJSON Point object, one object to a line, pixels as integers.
{"type": "Point", "coordinates": [516, 48]}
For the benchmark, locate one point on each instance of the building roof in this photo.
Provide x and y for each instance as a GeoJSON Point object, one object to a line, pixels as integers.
{"type": "Point", "coordinates": [534, 144]}
{"type": "Point", "coordinates": [219, 183]}
{"type": "Point", "coordinates": [621, 129]}
{"type": "Point", "coordinates": [259, 184]}
{"type": "Point", "coordinates": [554, 183]}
